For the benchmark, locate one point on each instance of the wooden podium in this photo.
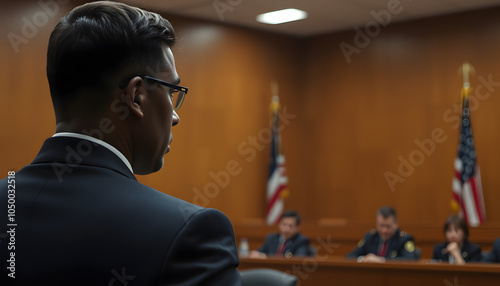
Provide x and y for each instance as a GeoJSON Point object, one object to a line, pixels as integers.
{"type": "Point", "coordinates": [325, 270]}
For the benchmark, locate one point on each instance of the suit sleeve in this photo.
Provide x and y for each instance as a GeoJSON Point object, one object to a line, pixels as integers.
{"type": "Point", "coordinates": [494, 255]}
{"type": "Point", "coordinates": [490, 258]}
{"type": "Point", "coordinates": [360, 249]}
{"type": "Point", "coordinates": [303, 248]}
{"type": "Point", "coordinates": [203, 253]}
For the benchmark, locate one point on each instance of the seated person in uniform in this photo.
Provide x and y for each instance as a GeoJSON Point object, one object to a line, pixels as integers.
{"type": "Point", "coordinates": [288, 242]}
{"type": "Point", "coordinates": [494, 255]}
{"type": "Point", "coordinates": [457, 249]}
{"type": "Point", "coordinates": [386, 242]}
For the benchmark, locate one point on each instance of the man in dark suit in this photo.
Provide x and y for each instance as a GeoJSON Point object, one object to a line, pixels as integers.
{"type": "Point", "coordinates": [494, 255]}
{"type": "Point", "coordinates": [386, 242]}
{"type": "Point", "coordinates": [78, 216]}
{"type": "Point", "coordinates": [288, 242]}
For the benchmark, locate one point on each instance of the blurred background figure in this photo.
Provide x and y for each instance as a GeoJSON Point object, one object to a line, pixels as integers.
{"type": "Point", "coordinates": [288, 242]}
{"type": "Point", "coordinates": [494, 255]}
{"type": "Point", "coordinates": [386, 241]}
{"type": "Point", "coordinates": [457, 249]}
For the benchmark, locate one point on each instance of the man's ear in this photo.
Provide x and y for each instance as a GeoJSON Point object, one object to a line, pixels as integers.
{"type": "Point", "coordinates": [134, 94]}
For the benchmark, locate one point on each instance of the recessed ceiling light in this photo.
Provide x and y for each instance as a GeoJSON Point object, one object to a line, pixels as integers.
{"type": "Point", "coordinates": [282, 16]}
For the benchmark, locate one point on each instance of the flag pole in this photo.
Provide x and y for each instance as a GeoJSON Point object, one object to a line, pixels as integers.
{"type": "Point", "coordinates": [274, 88]}
{"type": "Point", "coordinates": [277, 184]}
{"type": "Point", "coordinates": [466, 187]}
{"type": "Point", "coordinates": [275, 106]}
{"type": "Point", "coordinates": [466, 69]}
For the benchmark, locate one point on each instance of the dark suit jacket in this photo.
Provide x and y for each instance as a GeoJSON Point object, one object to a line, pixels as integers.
{"type": "Point", "coordinates": [494, 255]}
{"type": "Point", "coordinates": [400, 246]}
{"type": "Point", "coordinates": [470, 252]}
{"type": "Point", "coordinates": [83, 219]}
{"type": "Point", "coordinates": [298, 245]}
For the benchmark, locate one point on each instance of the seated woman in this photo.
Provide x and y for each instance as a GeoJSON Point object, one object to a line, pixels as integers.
{"type": "Point", "coordinates": [457, 249]}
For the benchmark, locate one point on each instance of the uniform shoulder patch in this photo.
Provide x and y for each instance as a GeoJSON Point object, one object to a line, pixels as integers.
{"type": "Point", "coordinates": [409, 246]}
{"type": "Point", "coordinates": [464, 254]}
{"type": "Point", "coordinates": [361, 242]}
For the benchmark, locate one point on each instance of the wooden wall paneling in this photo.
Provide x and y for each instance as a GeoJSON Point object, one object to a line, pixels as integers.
{"type": "Point", "coordinates": [353, 120]}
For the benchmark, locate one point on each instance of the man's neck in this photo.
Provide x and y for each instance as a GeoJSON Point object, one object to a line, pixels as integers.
{"type": "Point", "coordinates": [105, 130]}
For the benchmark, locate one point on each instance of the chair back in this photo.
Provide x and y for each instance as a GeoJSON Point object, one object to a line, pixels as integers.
{"type": "Point", "coordinates": [267, 277]}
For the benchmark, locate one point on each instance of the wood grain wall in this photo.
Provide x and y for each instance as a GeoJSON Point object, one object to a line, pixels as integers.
{"type": "Point", "coordinates": [399, 93]}
{"type": "Point", "coordinates": [345, 124]}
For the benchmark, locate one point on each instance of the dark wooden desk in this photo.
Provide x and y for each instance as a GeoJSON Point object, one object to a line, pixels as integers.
{"type": "Point", "coordinates": [338, 271]}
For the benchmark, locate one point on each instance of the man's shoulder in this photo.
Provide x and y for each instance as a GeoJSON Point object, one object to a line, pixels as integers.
{"type": "Point", "coordinates": [118, 194]}
{"type": "Point", "coordinates": [154, 201]}
{"type": "Point", "coordinates": [274, 235]}
{"type": "Point", "coordinates": [301, 238]}
{"type": "Point", "coordinates": [496, 244]}
{"type": "Point", "coordinates": [404, 240]}
{"type": "Point", "coordinates": [403, 236]}
{"type": "Point", "coordinates": [368, 238]}
{"type": "Point", "coordinates": [370, 235]}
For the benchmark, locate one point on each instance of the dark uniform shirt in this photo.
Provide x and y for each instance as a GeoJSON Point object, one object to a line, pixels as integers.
{"type": "Point", "coordinates": [470, 252]}
{"type": "Point", "coordinates": [400, 246]}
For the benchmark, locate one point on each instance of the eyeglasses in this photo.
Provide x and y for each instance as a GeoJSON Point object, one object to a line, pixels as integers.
{"type": "Point", "coordinates": [177, 92]}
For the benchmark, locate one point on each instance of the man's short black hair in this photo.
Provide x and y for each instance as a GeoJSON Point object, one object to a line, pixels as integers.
{"type": "Point", "coordinates": [458, 223]}
{"type": "Point", "coordinates": [95, 43]}
{"type": "Point", "coordinates": [387, 211]}
{"type": "Point", "coordinates": [292, 213]}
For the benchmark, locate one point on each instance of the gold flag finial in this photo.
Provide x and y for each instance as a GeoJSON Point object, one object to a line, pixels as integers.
{"type": "Point", "coordinates": [466, 69]}
{"type": "Point", "coordinates": [275, 101]}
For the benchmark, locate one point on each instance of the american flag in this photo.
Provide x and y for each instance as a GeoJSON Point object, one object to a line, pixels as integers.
{"type": "Point", "coordinates": [277, 182]}
{"type": "Point", "coordinates": [467, 190]}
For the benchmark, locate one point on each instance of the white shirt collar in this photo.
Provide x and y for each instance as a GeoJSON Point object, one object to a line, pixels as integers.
{"type": "Point", "coordinates": [97, 141]}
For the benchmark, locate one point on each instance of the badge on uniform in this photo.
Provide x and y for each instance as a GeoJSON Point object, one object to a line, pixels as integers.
{"type": "Point", "coordinates": [393, 254]}
{"type": "Point", "coordinates": [361, 242]}
{"type": "Point", "coordinates": [410, 246]}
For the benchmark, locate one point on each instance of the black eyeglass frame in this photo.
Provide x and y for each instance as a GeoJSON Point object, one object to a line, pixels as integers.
{"type": "Point", "coordinates": [181, 89]}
